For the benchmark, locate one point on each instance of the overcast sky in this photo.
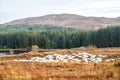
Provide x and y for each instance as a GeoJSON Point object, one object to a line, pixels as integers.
{"type": "Point", "coordinates": [16, 9]}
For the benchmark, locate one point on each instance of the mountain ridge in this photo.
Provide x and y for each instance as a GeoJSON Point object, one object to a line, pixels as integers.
{"type": "Point", "coordinates": [69, 20]}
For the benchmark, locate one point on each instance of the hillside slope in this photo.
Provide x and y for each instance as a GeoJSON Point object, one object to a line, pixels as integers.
{"type": "Point", "coordinates": [69, 20]}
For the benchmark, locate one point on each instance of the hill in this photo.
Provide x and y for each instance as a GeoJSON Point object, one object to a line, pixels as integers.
{"type": "Point", "coordinates": [69, 20]}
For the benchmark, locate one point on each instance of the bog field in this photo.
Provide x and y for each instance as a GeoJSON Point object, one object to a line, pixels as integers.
{"type": "Point", "coordinates": [84, 63]}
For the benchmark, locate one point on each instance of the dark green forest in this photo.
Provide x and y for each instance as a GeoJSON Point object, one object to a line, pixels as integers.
{"type": "Point", "coordinates": [48, 36]}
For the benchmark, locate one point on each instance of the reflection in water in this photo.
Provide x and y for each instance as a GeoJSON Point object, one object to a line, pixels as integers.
{"type": "Point", "coordinates": [3, 54]}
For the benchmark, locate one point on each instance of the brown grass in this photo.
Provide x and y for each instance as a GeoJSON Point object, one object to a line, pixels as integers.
{"type": "Point", "coordinates": [10, 70]}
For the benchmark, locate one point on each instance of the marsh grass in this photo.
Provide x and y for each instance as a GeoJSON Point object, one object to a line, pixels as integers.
{"type": "Point", "coordinates": [58, 71]}
{"type": "Point", "coordinates": [10, 70]}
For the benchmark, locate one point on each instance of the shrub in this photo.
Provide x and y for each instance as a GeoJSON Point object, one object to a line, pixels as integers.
{"type": "Point", "coordinates": [117, 64]}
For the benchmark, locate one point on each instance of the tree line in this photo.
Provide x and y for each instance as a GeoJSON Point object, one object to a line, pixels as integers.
{"type": "Point", "coordinates": [48, 36]}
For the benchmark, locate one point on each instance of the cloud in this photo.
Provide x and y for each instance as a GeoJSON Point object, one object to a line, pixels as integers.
{"type": "Point", "coordinates": [14, 9]}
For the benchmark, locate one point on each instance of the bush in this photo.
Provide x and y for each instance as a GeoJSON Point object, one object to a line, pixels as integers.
{"type": "Point", "coordinates": [117, 64]}
{"type": "Point", "coordinates": [35, 47]}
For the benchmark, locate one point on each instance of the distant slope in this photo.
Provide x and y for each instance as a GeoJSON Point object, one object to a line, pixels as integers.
{"type": "Point", "coordinates": [69, 20]}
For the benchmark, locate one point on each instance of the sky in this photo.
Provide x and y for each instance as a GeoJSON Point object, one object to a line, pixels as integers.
{"type": "Point", "coordinates": [16, 9]}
